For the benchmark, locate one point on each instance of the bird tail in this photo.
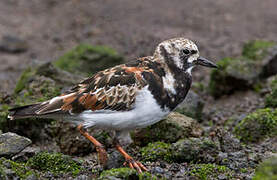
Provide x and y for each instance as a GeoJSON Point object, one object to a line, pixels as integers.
{"type": "Point", "coordinates": [25, 111]}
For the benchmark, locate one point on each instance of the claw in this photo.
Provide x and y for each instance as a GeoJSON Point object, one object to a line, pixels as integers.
{"type": "Point", "coordinates": [135, 165]}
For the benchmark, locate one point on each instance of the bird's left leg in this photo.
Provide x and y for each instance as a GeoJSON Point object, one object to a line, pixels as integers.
{"type": "Point", "coordinates": [128, 159]}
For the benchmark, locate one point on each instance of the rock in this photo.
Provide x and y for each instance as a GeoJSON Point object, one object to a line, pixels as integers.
{"type": "Point", "coordinates": [13, 170]}
{"type": "Point", "coordinates": [36, 84]}
{"type": "Point", "coordinates": [13, 44]}
{"type": "Point", "coordinates": [46, 80]}
{"type": "Point", "coordinates": [257, 125]}
{"type": "Point", "coordinates": [270, 62]}
{"type": "Point", "coordinates": [115, 160]}
{"type": "Point", "coordinates": [194, 150]}
{"type": "Point", "coordinates": [271, 98]}
{"type": "Point", "coordinates": [11, 144]}
{"type": "Point", "coordinates": [55, 163]}
{"type": "Point", "coordinates": [257, 62]}
{"type": "Point", "coordinates": [174, 127]}
{"type": "Point", "coordinates": [71, 142]}
{"type": "Point", "coordinates": [267, 169]}
{"type": "Point", "coordinates": [125, 173]}
{"type": "Point", "coordinates": [226, 141]}
{"type": "Point", "coordinates": [156, 151]}
{"type": "Point", "coordinates": [26, 154]}
{"type": "Point", "coordinates": [87, 59]}
{"type": "Point", "coordinates": [192, 106]}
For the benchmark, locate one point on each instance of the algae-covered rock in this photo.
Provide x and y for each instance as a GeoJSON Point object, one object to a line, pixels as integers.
{"type": "Point", "coordinates": [257, 61]}
{"type": "Point", "coordinates": [257, 125]}
{"type": "Point", "coordinates": [210, 171]}
{"type": "Point", "coordinates": [267, 170]}
{"type": "Point", "coordinates": [194, 150]}
{"type": "Point", "coordinates": [174, 127]}
{"type": "Point", "coordinates": [256, 49]}
{"type": "Point", "coordinates": [192, 106]}
{"type": "Point", "coordinates": [88, 59]}
{"type": "Point", "coordinates": [234, 74]}
{"type": "Point", "coordinates": [125, 173]}
{"type": "Point", "coordinates": [271, 98]}
{"type": "Point", "coordinates": [13, 170]}
{"type": "Point", "coordinates": [156, 151]}
{"type": "Point", "coordinates": [11, 144]}
{"type": "Point", "coordinates": [55, 163]}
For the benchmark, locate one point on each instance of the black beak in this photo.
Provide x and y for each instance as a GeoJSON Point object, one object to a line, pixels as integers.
{"type": "Point", "coordinates": [205, 62]}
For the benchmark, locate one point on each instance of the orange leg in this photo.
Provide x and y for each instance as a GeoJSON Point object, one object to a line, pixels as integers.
{"type": "Point", "coordinates": [102, 154]}
{"type": "Point", "coordinates": [132, 163]}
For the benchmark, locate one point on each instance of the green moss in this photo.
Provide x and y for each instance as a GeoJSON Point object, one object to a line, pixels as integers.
{"type": "Point", "coordinates": [20, 169]}
{"type": "Point", "coordinates": [156, 151]}
{"type": "Point", "coordinates": [3, 116]}
{"type": "Point", "coordinates": [88, 59]}
{"type": "Point", "coordinates": [271, 98]}
{"type": "Point", "coordinates": [256, 49]}
{"type": "Point", "coordinates": [126, 173]}
{"type": "Point", "coordinates": [257, 125]}
{"type": "Point", "coordinates": [54, 162]}
{"type": "Point", "coordinates": [210, 171]}
{"type": "Point", "coordinates": [218, 80]}
{"type": "Point", "coordinates": [267, 170]}
{"type": "Point", "coordinates": [23, 80]}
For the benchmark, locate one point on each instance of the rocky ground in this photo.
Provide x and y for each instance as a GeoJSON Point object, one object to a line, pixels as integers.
{"type": "Point", "coordinates": [227, 128]}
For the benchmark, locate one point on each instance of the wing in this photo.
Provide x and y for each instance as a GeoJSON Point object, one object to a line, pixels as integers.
{"type": "Point", "coordinates": [112, 89]}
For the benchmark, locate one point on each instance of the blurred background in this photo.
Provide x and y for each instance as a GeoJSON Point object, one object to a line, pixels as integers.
{"type": "Point", "coordinates": [49, 28]}
{"type": "Point", "coordinates": [226, 129]}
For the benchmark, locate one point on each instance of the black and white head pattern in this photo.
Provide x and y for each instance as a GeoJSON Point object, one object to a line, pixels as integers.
{"type": "Point", "coordinates": [179, 52]}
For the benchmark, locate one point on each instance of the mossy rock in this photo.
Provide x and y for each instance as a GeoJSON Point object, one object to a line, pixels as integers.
{"type": "Point", "coordinates": [210, 171]}
{"type": "Point", "coordinates": [271, 98]}
{"type": "Point", "coordinates": [194, 150]}
{"type": "Point", "coordinates": [233, 74]}
{"type": "Point", "coordinates": [258, 61]}
{"type": "Point", "coordinates": [87, 59]}
{"type": "Point", "coordinates": [15, 170]}
{"type": "Point", "coordinates": [174, 127]}
{"type": "Point", "coordinates": [36, 84]}
{"type": "Point", "coordinates": [256, 49]}
{"type": "Point", "coordinates": [55, 163]}
{"type": "Point", "coordinates": [267, 170]}
{"type": "Point", "coordinates": [156, 151]}
{"type": "Point", "coordinates": [257, 125]}
{"type": "Point", "coordinates": [125, 173]}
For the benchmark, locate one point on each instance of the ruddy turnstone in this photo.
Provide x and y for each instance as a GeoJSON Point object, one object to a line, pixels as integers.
{"type": "Point", "coordinates": [125, 97]}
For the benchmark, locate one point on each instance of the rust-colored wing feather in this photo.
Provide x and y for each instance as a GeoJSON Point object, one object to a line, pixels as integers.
{"type": "Point", "coordinates": [111, 89]}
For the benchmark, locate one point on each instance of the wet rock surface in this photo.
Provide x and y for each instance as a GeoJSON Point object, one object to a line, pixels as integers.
{"type": "Point", "coordinates": [11, 144]}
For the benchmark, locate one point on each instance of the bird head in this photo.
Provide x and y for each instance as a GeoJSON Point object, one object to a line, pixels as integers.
{"type": "Point", "coordinates": [182, 54]}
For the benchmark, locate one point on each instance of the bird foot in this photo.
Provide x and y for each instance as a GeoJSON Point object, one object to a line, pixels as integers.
{"type": "Point", "coordinates": [135, 165]}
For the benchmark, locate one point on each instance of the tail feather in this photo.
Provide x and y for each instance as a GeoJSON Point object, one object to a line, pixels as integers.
{"type": "Point", "coordinates": [24, 111]}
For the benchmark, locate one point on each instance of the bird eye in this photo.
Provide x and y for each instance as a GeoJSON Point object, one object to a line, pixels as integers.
{"type": "Point", "coordinates": [186, 51]}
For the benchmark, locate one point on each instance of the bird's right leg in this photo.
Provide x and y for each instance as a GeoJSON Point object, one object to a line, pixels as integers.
{"type": "Point", "coordinates": [102, 154]}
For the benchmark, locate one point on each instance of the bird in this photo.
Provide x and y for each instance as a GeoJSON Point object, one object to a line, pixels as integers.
{"type": "Point", "coordinates": [125, 97]}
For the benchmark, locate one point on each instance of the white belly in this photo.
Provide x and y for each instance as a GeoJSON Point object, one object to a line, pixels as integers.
{"type": "Point", "coordinates": [146, 112]}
